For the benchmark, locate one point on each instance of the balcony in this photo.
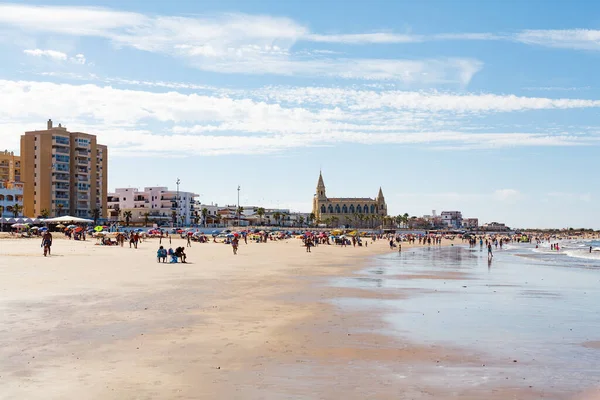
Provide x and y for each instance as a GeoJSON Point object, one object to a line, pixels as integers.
{"type": "Point", "coordinates": [61, 178]}
{"type": "Point", "coordinates": [60, 150]}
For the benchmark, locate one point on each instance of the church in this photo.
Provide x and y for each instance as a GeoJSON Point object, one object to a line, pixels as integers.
{"type": "Point", "coordinates": [346, 210]}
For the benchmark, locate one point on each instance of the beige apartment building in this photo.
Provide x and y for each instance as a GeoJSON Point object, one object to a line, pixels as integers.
{"type": "Point", "coordinates": [10, 167]}
{"type": "Point", "coordinates": [64, 173]}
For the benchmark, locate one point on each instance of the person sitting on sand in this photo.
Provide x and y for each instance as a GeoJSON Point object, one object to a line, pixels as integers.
{"type": "Point", "coordinates": [173, 256]}
{"type": "Point", "coordinates": [161, 255]}
{"type": "Point", "coordinates": [180, 253]}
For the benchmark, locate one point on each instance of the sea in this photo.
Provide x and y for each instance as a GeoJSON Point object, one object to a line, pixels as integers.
{"type": "Point", "coordinates": [532, 314]}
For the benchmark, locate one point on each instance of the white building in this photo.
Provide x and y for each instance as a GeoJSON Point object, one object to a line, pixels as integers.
{"type": "Point", "coordinates": [156, 204]}
{"type": "Point", "coordinates": [212, 214]}
{"type": "Point", "coordinates": [10, 194]}
{"type": "Point", "coordinates": [452, 219]}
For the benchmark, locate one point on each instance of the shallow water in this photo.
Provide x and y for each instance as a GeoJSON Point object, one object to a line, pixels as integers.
{"type": "Point", "coordinates": [539, 309]}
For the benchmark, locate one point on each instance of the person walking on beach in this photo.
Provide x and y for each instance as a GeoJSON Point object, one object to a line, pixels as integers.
{"type": "Point", "coordinates": [234, 245]}
{"type": "Point", "coordinates": [189, 241]}
{"type": "Point", "coordinates": [47, 242]}
{"type": "Point", "coordinates": [490, 255]}
{"type": "Point", "coordinates": [308, 245]}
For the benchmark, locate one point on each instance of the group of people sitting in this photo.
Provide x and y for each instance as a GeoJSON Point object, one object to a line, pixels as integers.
{"type": "Point", "coordinates": [175, 255]}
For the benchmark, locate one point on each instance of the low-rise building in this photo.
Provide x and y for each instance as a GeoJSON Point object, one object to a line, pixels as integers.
{"type": "Point", "coordinates": [159, 204]}
{"type": "Point", "coordinates": [11, 195]}
{"type": "Point", "coordinates": [495, 226]}
{"type": "Point", "coordinates": [470, 223]}
{"type": "Point", "coordinates": [452, 219]}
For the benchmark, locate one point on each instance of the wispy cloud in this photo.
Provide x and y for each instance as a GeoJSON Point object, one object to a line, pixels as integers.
{"type": "Point", "coordinates": [235, 43]}
{"type": "Point", "coordinates": [56, 55]}
{"type": "Point", "coordinates": [52, 54]}
{"type": "Point", "coordinates": [137, 122]}
{"type": "Point", "coordinates": [577, 39]}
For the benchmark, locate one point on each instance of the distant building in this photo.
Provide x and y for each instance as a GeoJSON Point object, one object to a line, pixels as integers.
{"type": "Point", "coordinates": [212, 213]}
{"type": "Point", "coordinates": [10, 167]}
{"type": "Point", "coordinates": [64, 173]}
{"type": "Point", "coordinates": [11, 194]}
{"type": "Point", "coordinates": [344, 210]}
{"type": "Point", "coordinates": [470, 223]}
{"type": "Point", "coordinates": [452, 219]}
{"type": "Point", "coordinates": [495, 226]}
{"type": "Point", "coordinates": [161, 204]}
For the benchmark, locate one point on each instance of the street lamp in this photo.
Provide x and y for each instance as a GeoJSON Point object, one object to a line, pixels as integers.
{"type": "Point", "coordinates": [238, 205]}
{"type": "Point", "coordinates": [177, 201]}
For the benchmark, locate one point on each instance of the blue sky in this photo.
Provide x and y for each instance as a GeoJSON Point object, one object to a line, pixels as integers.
{"type": "Point", "coordinates": [486, 107]}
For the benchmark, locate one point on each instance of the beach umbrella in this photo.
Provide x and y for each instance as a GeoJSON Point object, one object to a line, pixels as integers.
{"type": "Point", "coordinates": [99, 228]}
{"type": "Point", "coordinates": [34, 228]}
{"type": "Point", "coordinates": [72, 226]}
{"type": "Point", "coordinates": [236, 234]}
{"type": "Point", "coordinates": [17, 225]}
{"type": "Point", "coordinates": [60, 226]}
{"type": "Point", "coordinates": [43, 229]}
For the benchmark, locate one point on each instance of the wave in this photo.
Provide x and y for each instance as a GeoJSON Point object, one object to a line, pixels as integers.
{"type": "Point", "coordinates": [594, 255]}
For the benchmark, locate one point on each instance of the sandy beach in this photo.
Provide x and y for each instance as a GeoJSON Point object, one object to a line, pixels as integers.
{"type": "Point", "coordinates": [100, 322]}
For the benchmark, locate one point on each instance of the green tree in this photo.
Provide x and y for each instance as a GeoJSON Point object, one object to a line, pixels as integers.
{"type": "Point", "coordinates": [277, 216]}
{"type": "Point", "coordinates": [204, 215]}
{"type": "Point", "coordinates": [16, 209]}
{"type": "Point", "coordinates": [59, 209]}
{"type": "Point", "coordinates": [301, 220]}
{"type": "Point", "coordinates": [95, 215]}
{"type": "Point", "coordinates": [261, 213]}
{"type": "Point", "coordinates": [146, 218]}
{"type": "Point", "coordinates": [128, 216]}
{"type": "Point", "coordinates": [311, 218]}
{"type": "Point", "coordinates": [44, 214]}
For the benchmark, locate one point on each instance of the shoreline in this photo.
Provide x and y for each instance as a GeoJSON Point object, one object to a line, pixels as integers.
{"type": "Point", "coordinates": [262, 324]}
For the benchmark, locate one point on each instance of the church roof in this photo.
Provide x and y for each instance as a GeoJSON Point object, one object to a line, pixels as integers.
{"type": "Point", "coordinates": [320, 183]}
{"type": "Point", "coordinates": [339, 199]}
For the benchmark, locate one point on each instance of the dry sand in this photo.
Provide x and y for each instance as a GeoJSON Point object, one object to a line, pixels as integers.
{"type": "Point", "coordinates": [95, 322]}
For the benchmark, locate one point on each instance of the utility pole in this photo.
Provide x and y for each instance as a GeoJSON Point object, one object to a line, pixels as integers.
{"type": "Point", "coordinates": [238, 206]}
{"type": "Point", "coordinates": [177, 201]}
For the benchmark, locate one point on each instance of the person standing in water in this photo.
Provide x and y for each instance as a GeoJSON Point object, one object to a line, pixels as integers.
{"type": "Point", "coordinates": [490, 254]}
{"type": "Point", "coordinates": [47, 242]}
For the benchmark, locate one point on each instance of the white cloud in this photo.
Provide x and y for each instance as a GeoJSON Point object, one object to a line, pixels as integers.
{"type": "Point", "coordinates": [78, 59]}
{"type": "Point", "coordinates": [52, 54]}
{"type": "Point", "coordinates": [508, 195]}
{"type": "Point", "coordinates": [233, 43]}
{"type": "Point", "coordinates": [364, 38]}
{"type": "Point", "coordinates": [577, 39]}
{"type": "Point", "coordinates": [56, 55]}
{"type": "Point", "coordinates": [136, 122]}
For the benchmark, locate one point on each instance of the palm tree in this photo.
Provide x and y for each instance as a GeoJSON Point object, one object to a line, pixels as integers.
{"type": "Point", "coordinates": [277, 215]}
{"type": "Point", "coordinates": [16, 209]}
{"type": "Point", "coordinates": [361, 218]}
{"type": "Point", "coordinates": [328, 221]}
{"type": "Point", "coordinates": [348, 221]}
{"type": "Point", "coordinates": [335, 221]}
{"type": "Point", "coordinates": [118, 212]}
{"type": "Point", "coordinates": [196, 218]}
{"type": "Point", "coordinates": [59, 209]}
{"type": "Point", "coordinates": [311, 218]}
{"type": "Point", "coordinates": [174, 217]}
{"type": "Point", "coordinates": [204, 214]}
{"type": "Point", "coordinates": [128, 216]}
{"type": "Point", "coordinates": [405, 219]}
{"type": "Point", "coordinates": [44, 214]}
{"type": "Point", "coordinates": [146, 218]}
{"type": "Point", "coordinates": [260, 212]}
{"type": "Point", "coordinates": [95, 215]}
{"type": "Point", "coordinates": [301, 220]}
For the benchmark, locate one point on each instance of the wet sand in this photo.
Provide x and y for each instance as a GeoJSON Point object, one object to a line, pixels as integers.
{"type": "Point", "coordinates": [100, 322]}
